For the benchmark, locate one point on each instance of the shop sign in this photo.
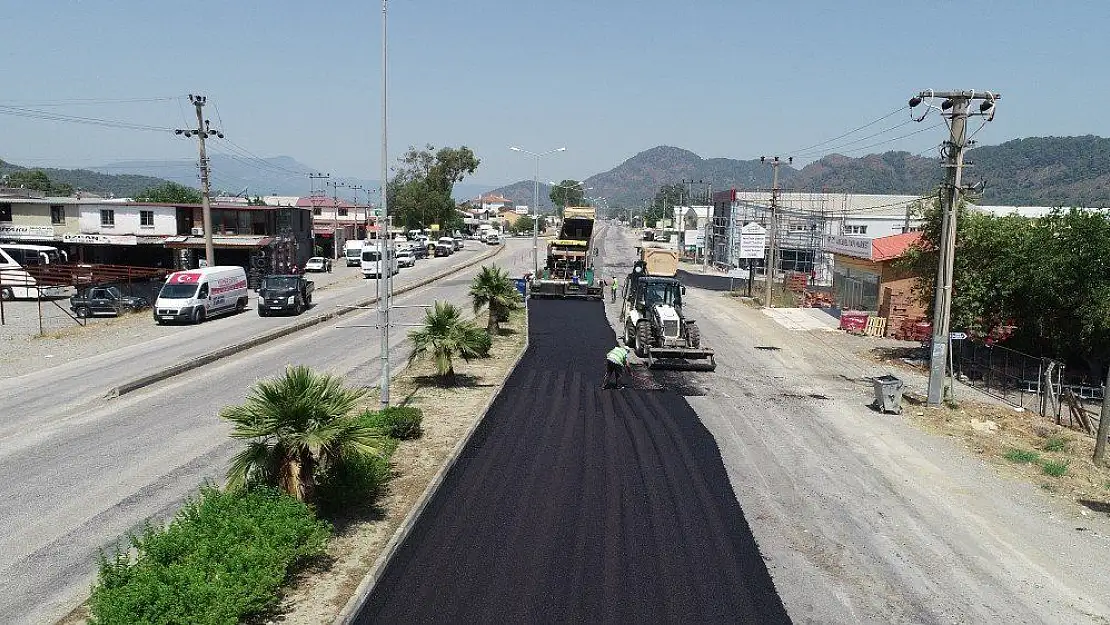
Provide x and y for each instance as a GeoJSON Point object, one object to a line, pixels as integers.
{"type": "Point", "coordinates": [101, 239]}
{"type": "Point", "coordinates": [857, 247]}
{"type": "Point", "coordinates": [16, 231]}
{"type": "Point", "coordinates": [753, 241]}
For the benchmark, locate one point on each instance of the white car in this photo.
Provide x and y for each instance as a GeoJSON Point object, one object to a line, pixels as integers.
{"type": "Point", "coordinates": [318, 263]}
{"type": "Point", "coordinates": [405, 258]}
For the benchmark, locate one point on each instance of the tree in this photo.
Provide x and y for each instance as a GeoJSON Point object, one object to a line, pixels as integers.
{"type": "Point", "coordinates": [444, 336]}
{"type": "Point", "coordinates": [568, 193]}
{"type": "Point", "coordinates": [492, 287]}
{"type": "Point", "coordinates": [662, 205]}
{"type": "Point", "coordinates": [299, 425]}
{"type": "Point", "coordinates": [169, 193]}
{"type": "Point", "coordinates": [38, 180]}
{"type": "Point", "coordinates": [420, 192]}
{"type": "Point", "coordinates": [523, 224]}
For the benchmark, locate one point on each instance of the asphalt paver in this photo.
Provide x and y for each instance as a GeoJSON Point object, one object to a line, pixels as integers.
{"type": "Point", "coordinates": [574, 504]}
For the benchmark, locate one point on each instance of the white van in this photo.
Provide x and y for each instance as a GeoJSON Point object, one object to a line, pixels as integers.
{"type": "Point", "coordinates": [16, 283]}
{"type": "Point", "coordinates": [372, 265]}
{"type": "Point", "coordinates": [34, 254]}
{"type": "Point", "coordinates": [352, 251]}
{"type": "Point", "coordinates": [197, 294]}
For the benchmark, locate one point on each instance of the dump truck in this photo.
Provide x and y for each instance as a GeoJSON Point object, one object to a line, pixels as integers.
{"type": "Point", "coordinates": [655, 323]}
{"type": "Point", "coordinates": [569, 270]}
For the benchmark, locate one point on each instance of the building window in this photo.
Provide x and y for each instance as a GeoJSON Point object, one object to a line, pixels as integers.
{"type": "Point", "coordinates": [342, 212]}
{"type": "Point", "coordinates": [146, 219]}
{"type": "Point", "coordinates": [57, 214]}
{"type": "Point", "coordinates": [317, 211]}
{"type": "Point", "coordinates": [107, 217]}
{"type": "Point", "coordinates": [855, 229]}
{"type": "Point", "coordinates": [5, 211]}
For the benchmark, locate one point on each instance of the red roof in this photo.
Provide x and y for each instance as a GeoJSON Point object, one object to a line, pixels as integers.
{"type": "Point", "coordinates": [894, 246]}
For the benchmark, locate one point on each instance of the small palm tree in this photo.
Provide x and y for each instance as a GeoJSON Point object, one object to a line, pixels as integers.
{"type": "Point", "coordinates": [297, 424]}
{"type": "Point", "coordinates": [492, 287]}
{"type": "Point", "coordinates": [446, 335]}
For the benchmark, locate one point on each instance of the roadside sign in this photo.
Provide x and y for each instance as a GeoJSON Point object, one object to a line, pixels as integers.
{"type": "Point", "coordinates": [738, 273]}
{"type": "Point", "coordinates": [957, 336]}
{"type": "Point", "coordinates": [753, 241]}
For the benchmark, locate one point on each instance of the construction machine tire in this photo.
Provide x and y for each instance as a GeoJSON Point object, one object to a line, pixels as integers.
{"type": "Point", "coordinates": [629, 336]}
{"type": "Point", "coordinates": [693, 335]}
{"type": "Point", "coordinates": [643, 338]}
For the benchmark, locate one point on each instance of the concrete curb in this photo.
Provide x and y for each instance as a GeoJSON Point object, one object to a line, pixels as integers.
{"type": "Point", "coordinates": [255, 341]}
{"type": "Point", "coordinates": [362, 593]}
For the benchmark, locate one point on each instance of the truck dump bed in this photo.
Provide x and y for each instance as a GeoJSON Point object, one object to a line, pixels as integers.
{"type": "Point", "coordinates": [569, 269]}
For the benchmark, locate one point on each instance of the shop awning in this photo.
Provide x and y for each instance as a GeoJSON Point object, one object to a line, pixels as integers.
{"type": "Point", "coordinates": [225, 241]}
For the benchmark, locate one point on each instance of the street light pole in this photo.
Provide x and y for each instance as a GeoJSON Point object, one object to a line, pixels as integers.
{"type": "Point", "coordinates": [384, 266]}
{"type": "Point", "coordinates": [535, 205]}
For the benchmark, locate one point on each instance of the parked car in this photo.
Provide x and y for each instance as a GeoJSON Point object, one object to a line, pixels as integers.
{"type": "Point", "coordinates": [493, 239]}
{"type": "Point", "coordinates": [420, 252]}
{"type": "Point", "coordinates": [284, 293]}
{"type": "Point", "coordinates": [405, 258]}
{"type": "Point", "coordinates": [447, 242]}
{"type": "Point", "coordinates": [444, 249]}
{"type": "Point", "coordinates": [318, 264]}
{"type": "Point", "coordinates": [458, 241]}
{"type": "Point", "coordinates": [105, 300]}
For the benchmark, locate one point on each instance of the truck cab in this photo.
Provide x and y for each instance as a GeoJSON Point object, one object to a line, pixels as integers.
{"type": "Point", "coordinates": [104, 300]}
{"type": "Point", "coordinates": [281, 293]}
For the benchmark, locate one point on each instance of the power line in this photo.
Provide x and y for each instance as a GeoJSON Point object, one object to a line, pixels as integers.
{"type": "Point", "coordinates": [855, 141]}
{"type": "Point", "coordinates": [88, 101]}
{"type": "Point", "coordinates": [853, 131]}
{"type": "Point", "coordinates": [17, 111]}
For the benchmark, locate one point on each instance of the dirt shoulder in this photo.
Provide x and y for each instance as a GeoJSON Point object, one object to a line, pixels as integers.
{"type": "Point", "coordinates": [317, 595]}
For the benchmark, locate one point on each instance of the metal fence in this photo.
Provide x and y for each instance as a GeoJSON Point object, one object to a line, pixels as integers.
{"type": "Point", "coordinates": [1016, 378]}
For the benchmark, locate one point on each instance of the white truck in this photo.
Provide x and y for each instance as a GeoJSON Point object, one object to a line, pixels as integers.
{"type": "Point", "coordinates": [352, 252]}
{"type": "Point", "coordinates": [196, 294]}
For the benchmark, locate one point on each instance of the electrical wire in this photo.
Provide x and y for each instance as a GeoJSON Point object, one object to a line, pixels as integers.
{"type": "Point", "coordinates": [854, 141]}
{"type": "Point", "coordinates": [17, 111]}
{"type": "Point", "coordinates": [851, 132]}
{"type": "Point", "coordinates": [86, 101]}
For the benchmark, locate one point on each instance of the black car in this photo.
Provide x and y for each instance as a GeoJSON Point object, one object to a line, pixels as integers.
{"type": "Point", "coordinates": [105, 300]}
{"type": "Point", "coordinates": [444, 250]}
{"type": "Point", "coordinates": [284, 293]}
{"type": "Point", "coordinates": [419, 252]}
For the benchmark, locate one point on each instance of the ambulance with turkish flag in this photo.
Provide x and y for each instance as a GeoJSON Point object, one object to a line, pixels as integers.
{"type": "Point", "coordinates": [197, 294]}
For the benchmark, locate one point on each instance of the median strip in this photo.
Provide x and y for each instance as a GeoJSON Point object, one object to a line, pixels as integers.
{"type": "Point", "coordinates": [230, 350]}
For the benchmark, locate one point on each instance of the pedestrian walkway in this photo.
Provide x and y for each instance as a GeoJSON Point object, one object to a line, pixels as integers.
{"type": "Point", "coordinates": [802, 319]}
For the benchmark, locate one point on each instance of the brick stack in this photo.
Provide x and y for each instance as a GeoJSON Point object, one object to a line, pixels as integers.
{"type": "Point", "coordinates": [903, 313]}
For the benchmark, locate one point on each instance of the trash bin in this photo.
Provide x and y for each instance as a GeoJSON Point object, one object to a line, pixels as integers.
{"type": "Point", "coordinates": [522, 287]}
{"type": "Point", "coordinates": [888, 394]}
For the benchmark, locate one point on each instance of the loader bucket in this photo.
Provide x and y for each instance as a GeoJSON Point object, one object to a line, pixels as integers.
{"type": "Point", "coordinates": [681, 358]}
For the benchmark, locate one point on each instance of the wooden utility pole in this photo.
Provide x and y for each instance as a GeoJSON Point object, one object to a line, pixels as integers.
{"type": "Point", "coordinates": [955, 107]}
{"type": "Point", "coordinates": [1103, 424]}
{"type": "Point", "coordinates": [202, 132]}
{"type": "Point", "coordinates": [773, 248]}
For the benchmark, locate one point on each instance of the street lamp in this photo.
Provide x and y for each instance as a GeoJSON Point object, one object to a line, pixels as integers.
{"type": "Point", "coordinates": [536, 204]}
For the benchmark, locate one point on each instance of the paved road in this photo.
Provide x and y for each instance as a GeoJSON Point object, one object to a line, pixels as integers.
{"type": "Point", "coordinates": [59, 390]}
{"type": "Point", "coordinates": [77, 481]}
{"type": "Point", "coordinates": [576, 505]}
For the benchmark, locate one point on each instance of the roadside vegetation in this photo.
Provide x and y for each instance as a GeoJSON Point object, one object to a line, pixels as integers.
{"type": "Point", "coordinates": [318, 461]}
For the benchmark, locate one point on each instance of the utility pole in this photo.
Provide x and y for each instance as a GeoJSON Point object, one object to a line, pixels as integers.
{"type": "Point", "coordinates": [383, 227]}
{"type": "Point", "coordinates": [315, 200]}
{"type": "Point", "coordinates": [202, 132]}
{"type": "Point", "coordinates": [955, 107]}
{"type": "Point", "coordinates": [335, 216]}
{"type": "Point", "coordinates": [773, 249]}
{"type": "Point", "coordinates": [1103, 425]}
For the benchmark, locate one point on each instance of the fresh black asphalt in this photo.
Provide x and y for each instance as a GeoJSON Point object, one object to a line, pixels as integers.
{"type": "Point", "coordinates": [573, 504]}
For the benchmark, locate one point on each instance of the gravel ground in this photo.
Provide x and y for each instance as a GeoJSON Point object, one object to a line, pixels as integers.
{"type": "Point", "coordinates": [579, 505]}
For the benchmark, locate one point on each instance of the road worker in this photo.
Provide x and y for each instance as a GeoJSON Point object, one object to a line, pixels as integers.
{"type": "Point", "coordinates": [616, 361]}
{"type": "Point", "coordinates": [613, 286]}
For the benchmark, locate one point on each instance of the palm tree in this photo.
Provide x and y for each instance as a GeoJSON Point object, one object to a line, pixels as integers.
{"type": "Point", "coordinates": [446, 335]}
{"type": "Point", "coordinates": [492, 287]}
{"type": "Point", "coordinates": [296, 424]}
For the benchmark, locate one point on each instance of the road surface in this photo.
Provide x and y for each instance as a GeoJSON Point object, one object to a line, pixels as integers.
{"type": "Point", "coordinates": [573, 504]}
{"type": "Point", "coordinates": [76, 481]}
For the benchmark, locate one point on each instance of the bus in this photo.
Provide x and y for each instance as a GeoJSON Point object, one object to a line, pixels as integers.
{"type": "Point", "coordinates": [15, 282]}
{"type": "Point", "coordinates": [28, 255]}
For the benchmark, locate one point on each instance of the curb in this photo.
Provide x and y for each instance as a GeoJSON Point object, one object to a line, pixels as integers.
{"type": "Point", "coordinates": [255, 341]}
{"type": "Point", "coordinates": [366, 586]}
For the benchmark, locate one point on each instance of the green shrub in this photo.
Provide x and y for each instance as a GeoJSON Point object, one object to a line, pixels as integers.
{"type": "Point", "coordinates": [356, 480]}
{"type": "Point", "coordinates": [1055, 469]}
{"type": "Point", "coordinates": [399, 422]}
{"type": "Point", "coordinates": [224, 556]}
{"type": "Point", "coordinates": [1056, 443]}
{"type": "Point", "coordinates": [1022, 456]}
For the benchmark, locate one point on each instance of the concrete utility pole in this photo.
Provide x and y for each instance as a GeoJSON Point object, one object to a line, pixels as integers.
{"type": "Point", "coordinates": [202, 132]}
{"type": "Point", "coordinates": [383, 222]}
{"type": "Point", "coordinates": [335, 185]}
{"type": "Point", "coordinates": [773, 249]}
{"type": "Point", "coordinates": [955, 107]}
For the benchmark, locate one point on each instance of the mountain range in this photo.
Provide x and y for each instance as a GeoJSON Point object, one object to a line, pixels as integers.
{"type": "Point", "coordinates": [1042, 171]}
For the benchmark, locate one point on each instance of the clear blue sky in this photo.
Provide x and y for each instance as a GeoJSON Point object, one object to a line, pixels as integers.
{"type": "Point", "coordinates": [607, 79]}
